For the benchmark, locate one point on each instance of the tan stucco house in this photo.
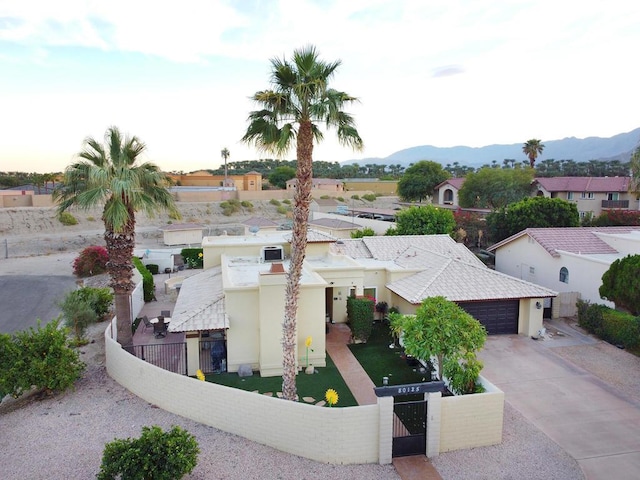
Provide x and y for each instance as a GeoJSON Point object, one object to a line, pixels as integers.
{"type": "Point", "coordinates": [239, 297]}
{"type": "Point", "coordinates": [328, 184]}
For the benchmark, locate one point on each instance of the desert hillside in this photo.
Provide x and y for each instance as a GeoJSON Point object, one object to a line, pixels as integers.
{"type": "Point", "coordinates": [28, 231]}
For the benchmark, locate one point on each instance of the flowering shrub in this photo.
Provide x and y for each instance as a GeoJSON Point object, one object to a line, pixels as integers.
{"type": "Point", "coordinates": [91, 261]}
{"type": "Point", "coordinates": [193, 257]}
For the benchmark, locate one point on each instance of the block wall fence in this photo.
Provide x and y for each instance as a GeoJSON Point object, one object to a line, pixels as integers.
{"type": "Point", "coordinates": [349, 435]}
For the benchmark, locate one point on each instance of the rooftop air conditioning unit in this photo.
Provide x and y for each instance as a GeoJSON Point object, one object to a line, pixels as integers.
{"type": "Point", "coordinates": [272, 254]}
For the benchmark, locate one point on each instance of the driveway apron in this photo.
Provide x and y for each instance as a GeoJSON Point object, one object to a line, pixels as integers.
{"type": "Point", "coordinates": [598, 426]}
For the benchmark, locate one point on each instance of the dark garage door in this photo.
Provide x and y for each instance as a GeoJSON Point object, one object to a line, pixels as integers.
{"type": "Point", "coordinates": [497, 317]}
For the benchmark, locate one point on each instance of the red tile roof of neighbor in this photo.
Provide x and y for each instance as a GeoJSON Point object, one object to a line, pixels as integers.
{"type": "Point", "coordinates": [581, 240]}
{"type": "Point", "coordinates": [454, 182]}
{"type": "Point", "coordinates": [584, 184]}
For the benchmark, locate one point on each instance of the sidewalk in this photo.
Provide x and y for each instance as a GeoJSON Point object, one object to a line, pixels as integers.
{"type": "Point", "coordinates": [361, 386]}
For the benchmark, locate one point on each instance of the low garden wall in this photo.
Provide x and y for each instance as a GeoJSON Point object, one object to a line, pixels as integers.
{"type": "Point", "coordinates": [347, 435]}
{"type": "Point", "coordinates": [469, 421]}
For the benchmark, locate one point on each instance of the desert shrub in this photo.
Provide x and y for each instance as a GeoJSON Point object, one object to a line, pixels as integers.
{"type": "Point", "coordinates": [100, 299]}
{"type": "Point", "coordinates": [153, 268]}
{"type": "Point", "coordinates": [247, 204]}
{"type": "Point", "coordinates": [148, 286]}
{"type": "Point", "coordinates": [91, 218]}
{"type": "Point", "coordinates": [229, 207]}
{"type": "Point", "coordinates": [38, 357]}
{"type": "Point", "coordinates": [286, 201]}
{"type": "Point", "coordinates": [369, 197]}
{"type": "Point", "coordinates": [275, 202]}
{"type": "Point", "coordinates": [84, 306]}
{"type": "Point", "coordinates": [621, 328]}
{"type": "Point", "coordinates": [340, 199]}
{"type": "Point", "coordinates": [67, 219]}
{"type": "Point", "coordinates": [174, 215]}
{"type": "Point", "coordinates": [463, 375]}
{"type": "Point", "coordinates": [325, 197]}
{"type": "Point", "coordinates": [193, 257]}
{"type": "Point", "coordinates": [355, 197]}
{"type": "Point", "coordinates": [282, 210]}
{"type": "Point", "coordinates": [360, 314]}
{"type": "Point", "coordinates": [365, 232]}
{"type": "Point", "coordinates": [156, 455]}
{"type": "Point", "coordinates": [91, 261]}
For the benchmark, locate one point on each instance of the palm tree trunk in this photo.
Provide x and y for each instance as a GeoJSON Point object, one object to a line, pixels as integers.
{"type": "Point", "coordinates": [120, 249]}
{"type": "Point", "coordinates": [302, 198]}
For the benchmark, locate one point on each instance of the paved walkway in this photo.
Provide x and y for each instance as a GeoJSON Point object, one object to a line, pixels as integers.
{"type": "Point", "coordinates": [408, 468]}
{"type": "Point", "coordinates": [589, 419]}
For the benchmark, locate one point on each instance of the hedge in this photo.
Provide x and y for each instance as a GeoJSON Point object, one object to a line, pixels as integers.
{"type": "Point", "coordinates": [613, 326]}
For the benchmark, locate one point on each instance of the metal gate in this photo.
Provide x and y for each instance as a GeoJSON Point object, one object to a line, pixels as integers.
{"type": "Point", "coordinates": [409, 428]}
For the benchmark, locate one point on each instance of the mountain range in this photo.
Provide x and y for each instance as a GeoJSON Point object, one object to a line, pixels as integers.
{"type": "Point", "coordinates": [619, 147]}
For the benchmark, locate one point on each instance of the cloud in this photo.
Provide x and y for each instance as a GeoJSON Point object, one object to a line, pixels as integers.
{"type": "Point", "coordinates": [448, 71]}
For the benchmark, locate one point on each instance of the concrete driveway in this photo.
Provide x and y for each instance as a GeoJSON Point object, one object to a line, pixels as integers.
{"type": "Point", "coordinates": [591, 420]}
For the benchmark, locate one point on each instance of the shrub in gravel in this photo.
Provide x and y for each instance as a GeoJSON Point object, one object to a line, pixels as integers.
{"type": "Point", "coordinates": [40, 357]}
{"type": "Point", "coordinates": [91, 261]}
{"type": "Point", "coordinates": [156, 455]}
{"type": "Point", "coordinates": [67, 219]}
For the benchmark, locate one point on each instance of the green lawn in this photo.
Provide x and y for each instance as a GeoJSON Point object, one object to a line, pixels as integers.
{"type": "Point", "coordinates": [308, 385]}
{"type": "Point", "coordinates": [378, 360]}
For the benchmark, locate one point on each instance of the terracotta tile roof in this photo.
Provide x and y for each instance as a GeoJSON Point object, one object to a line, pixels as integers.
{"type": "Point", "coordinates": [460, 281]}
{"type": "Point", "coordinates": [584, 184]}
{"type": "Point", "coordinates": [454, 182]}
{"type": "Point", "coordinates": [580, 240]}
{"type": "Point", "coordinates": [200, 305]}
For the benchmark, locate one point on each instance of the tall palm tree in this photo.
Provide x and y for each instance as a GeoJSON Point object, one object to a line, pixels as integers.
{"type": "Point", "coordinates": [292, 110]}
{"type": "Point", "coordinates": [225, 154]}
{"type": "Point", "coordinates": [532, 148]}
{"type": "Point", "coordinates": [109, 175]}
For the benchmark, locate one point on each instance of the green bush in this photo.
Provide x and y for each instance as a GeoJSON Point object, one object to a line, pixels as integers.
{"type": "Point", "coordinates": [193, 257]}
{"type": "Point", "coordinates": [247, 204]}
{"type": "Point", "coordinates": [148, 286]}
{"type": "Point", "coordinates": [286, 201]}
{"type": "Point", "coordinates": [340, 199]}
{"type": "Point", "coordinates": [156, 455]}
{"type": "Point", "coordinates": [91, 261]}
{"type": "Point", "coordinates": [360, 315]}
{"type": "Point", "coordinates": [325, 197]}
{"type": "Point", "coordinates": [369, 197]}
{"type": "Point", "coordinates": [84, 306]}
{"type": "Point", "coordinates": [282, 210]}
{"type": "Point", "coordinates": [67, 219]}
{"type": "Point", "coordinates": [618, 328]}
{"type": "Point", "coordinates": [355, 197]}
{"type": "Point", "coordinates": [40, 357]}
{"type": "Point", "coordinates": [275, 202]}
{"type": "Point", "coordinates": [153, 268]}
{"type": "Point", "coordinates": [365, 232]}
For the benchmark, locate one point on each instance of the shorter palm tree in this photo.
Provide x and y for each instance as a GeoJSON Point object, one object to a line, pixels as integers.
{"type": "Point", "coordinates": [108, 175]}
{"type": "Point", "coordinates": [532, 148]}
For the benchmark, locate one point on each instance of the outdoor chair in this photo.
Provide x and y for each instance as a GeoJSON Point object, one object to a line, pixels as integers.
{"type": "Point", "coordinates": [147, 323]}
{"type": "Point", "coordinates": [160, 328]}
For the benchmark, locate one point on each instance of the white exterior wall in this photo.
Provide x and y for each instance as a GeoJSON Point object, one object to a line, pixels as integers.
{"type": "Point", "coordinates": [441, 191]}
{"type": "Point", "coordinates": [585, 273]}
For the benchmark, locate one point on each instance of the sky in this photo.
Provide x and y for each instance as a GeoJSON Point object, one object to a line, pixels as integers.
{"type": "Point", "coordinates": [180, 75]}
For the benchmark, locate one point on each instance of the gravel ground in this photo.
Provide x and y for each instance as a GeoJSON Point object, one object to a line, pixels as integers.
{"type": "Point", "coordinates": [63, 436]}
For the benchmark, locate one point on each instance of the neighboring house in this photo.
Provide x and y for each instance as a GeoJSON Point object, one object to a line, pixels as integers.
{"type": "Point", "coordinates": [569, 260]}
{"type": "Point", "coordinates": [254, 225]}
{"type": "Point", "coordinates": [240, 296]}
{"type": "Point", "coordinates": [335, 227]}
{"type": "Point", "coordinates": [328, 184]}
{"type": "Point", "coordinates": [590, 194]}
{"type": "Point", "coordinates": [250, 181]}
{"type": "Point", "coordinates": [324, 205]}
{"type": "Point", "coordinates": [182, 234]}
{"type": "Point", "coordinates": [447, 191]}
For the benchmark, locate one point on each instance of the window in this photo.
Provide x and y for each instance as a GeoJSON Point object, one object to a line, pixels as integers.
{"type": "Point", "coordinates": [613, 196]}
{"type": "Point", "coordinates": [587, 195]}
{"type": "Point", "coordinates": [564, 275]}
{"type": "Point", "coordinates": [532, 270]}
{"type": "Point", "coordinates": [569, 195]}
{"type": "Point", "coordinates": [369, 292]}
{"type": "Point", "coordinates": [582, 215]}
